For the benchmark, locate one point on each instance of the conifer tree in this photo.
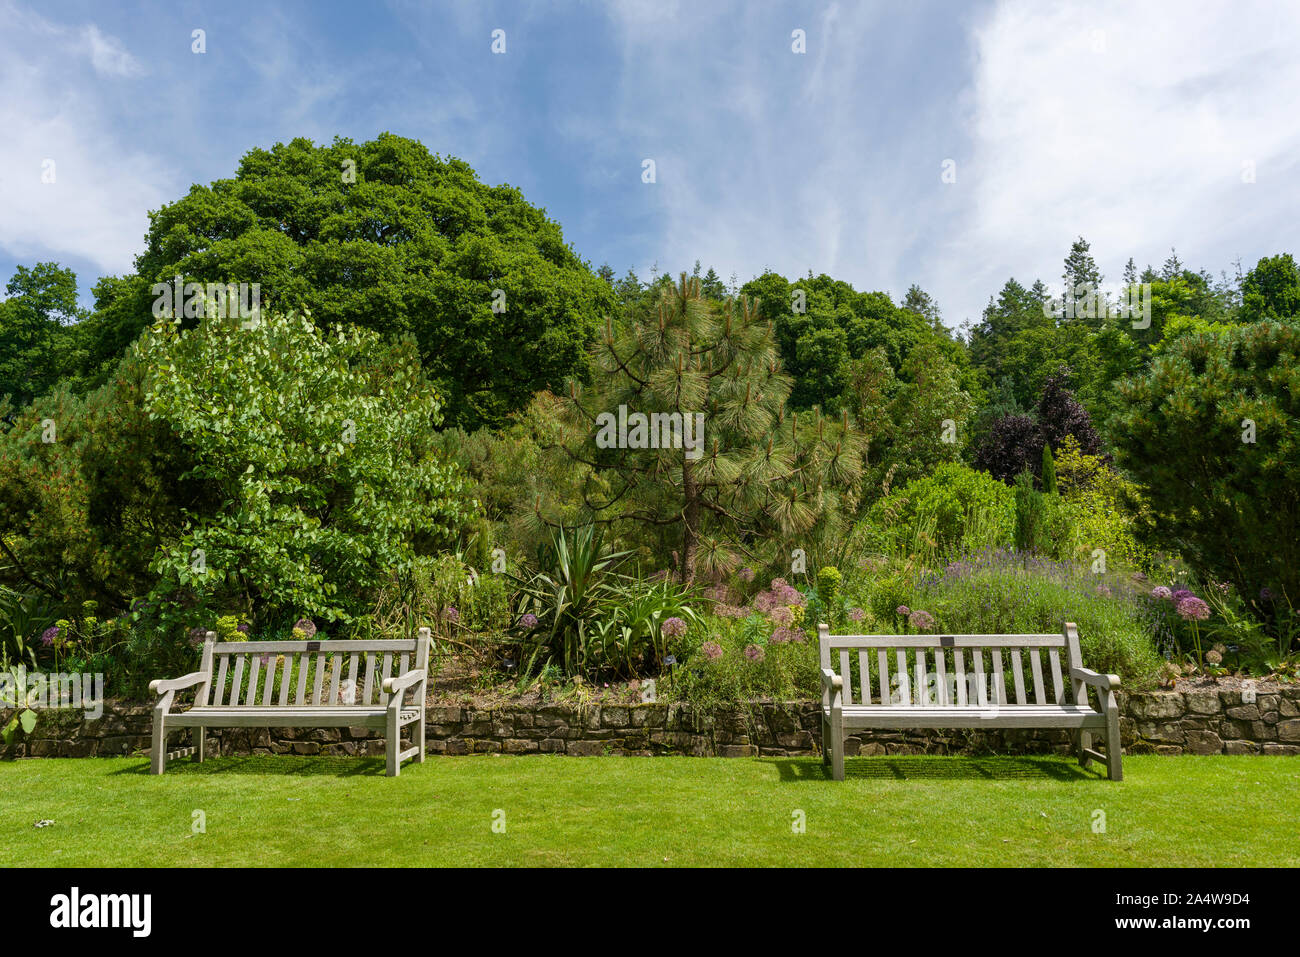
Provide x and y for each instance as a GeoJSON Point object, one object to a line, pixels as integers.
{"type": "Point", "coordinates": [754, 475]}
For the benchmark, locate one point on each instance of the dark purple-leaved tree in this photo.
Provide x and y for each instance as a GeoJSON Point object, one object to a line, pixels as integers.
{"type": "Point", "coordinates": [1014, 443]}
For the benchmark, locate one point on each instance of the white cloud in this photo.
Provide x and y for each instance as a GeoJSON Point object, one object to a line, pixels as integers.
{"type": "Point", "coordinates": [107, 54]}
{"type": "Point", "coordinates": [1129, 124]}
{"type": "Point", "coordinates": [53, 110]}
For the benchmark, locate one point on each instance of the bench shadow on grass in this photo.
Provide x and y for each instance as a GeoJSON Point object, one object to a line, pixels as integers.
{"type": "Point", "coordinates": [273, 764]}
{"type": "Point", "coordinates": [919, 768]}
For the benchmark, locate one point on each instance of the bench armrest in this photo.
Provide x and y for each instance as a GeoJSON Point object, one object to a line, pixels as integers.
{"type": "Point", "coordinates": [402, 682]}
{"type": "Point", "coordinates": [164, 685]}
{"type": "Point", "coordinates": [833, 686]}
{"type": "Point", "coordinates": [1097, 680]}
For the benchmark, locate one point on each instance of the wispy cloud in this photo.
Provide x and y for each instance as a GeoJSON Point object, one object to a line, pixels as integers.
{"type": "Point", "coordinates": [71, 186]}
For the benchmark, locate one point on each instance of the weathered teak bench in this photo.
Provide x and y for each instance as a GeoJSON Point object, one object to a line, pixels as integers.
{"type": "Point", "coordinates": [960, 681]}
{"type": "Point", "coordinates": [256, 680]}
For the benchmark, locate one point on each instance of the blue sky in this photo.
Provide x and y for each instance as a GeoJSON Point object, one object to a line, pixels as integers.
{"type": "Point", "coordinates": [1136, 125]}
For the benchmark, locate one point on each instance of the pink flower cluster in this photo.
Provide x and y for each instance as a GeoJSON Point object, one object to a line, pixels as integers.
{"type": "Point", "coordinates": [781, 593]}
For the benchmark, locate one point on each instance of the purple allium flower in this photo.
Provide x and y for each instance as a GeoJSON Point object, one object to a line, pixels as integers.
{"type": "Point", "coordinates": [747, 574]}
{"type": "Point", "coordinates": [266, 658]}
{"type": "Point", "coordinates": [528, 620]}
{"type": "Point", "coordinates": [782, 615]}
{"type": "Point", "coordinates": [306, 626]}
{"type": "Point", "coordinates": [243, 628]}
{"type": "Point", "coordinates": [856, 614]}
{"type": "Point", "coordinates": [903, 610]}
{"type": "Point", "coordinates": [1180, 594]}
{"type": "Point", "coordinates": [1103, 590]}
{"type": "Point", "coordinates": [730, 611]}
{"type": "Point", "coordinates": [673, 628]}
{"type": "Point", "coordinates": [451, 613]}
{"type": "Point", "coordinates": [1266, 594]}
{"type": "Point", "coordinates": [712, 650]}
{"type": "Point", "coordinates": [1192, 608]}
{"type": "Point", "coordinates": [49, 634]}
{"type": "Point", "coordinates": [1161, 592]}
{"type": "Point", "coordinates": [754, 653]}
{"type": "Point", "coordinates": [922, 620]}
{"type": "Point", "coordinates": [197, 635]}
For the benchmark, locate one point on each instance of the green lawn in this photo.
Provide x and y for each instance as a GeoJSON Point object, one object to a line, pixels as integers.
{"type": "Point", "coordinates": [1205, 811]}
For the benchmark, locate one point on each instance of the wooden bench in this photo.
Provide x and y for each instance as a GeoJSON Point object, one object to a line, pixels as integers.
{"type": "Point", "coordinates": [299, 684]}
{"type": "Point", "coordinates": [960, 681]}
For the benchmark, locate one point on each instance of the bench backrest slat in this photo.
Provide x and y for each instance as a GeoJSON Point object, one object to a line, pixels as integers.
{"type": "Point", "coordinates": [260, 667]}
{"type": "Point", "coordinates": [286, 679]}
{"type": "Point", "coordinates": [950, 670]}
{"type": "Point", "coordinates": [219, 697]}
{"type": "Point", "coordinates": [238, 681]}
{"type": "Point", "coordinates": [1018, 675]}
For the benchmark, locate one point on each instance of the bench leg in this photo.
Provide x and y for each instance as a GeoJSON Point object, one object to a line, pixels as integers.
{"type": "Point", "coordinates": [394, 744]}
{"type": "Point", "coordinates": [419, 755]}
{"type": "Point", "coordinates": [1114, 752]}
{"type": "Point", "coordinates": [837, 739]}
{"type": "Point", "coordinates": [158, 757]}
{"type": "Point", "coordinates": [826, 742]}
{"type": "Point", "coordinates": [1085, 742]}
{"type": "Point", "coordinates": [200, 744]}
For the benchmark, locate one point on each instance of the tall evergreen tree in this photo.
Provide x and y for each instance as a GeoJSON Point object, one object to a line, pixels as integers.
{"type": "Point", "coordinates": [755, 474]}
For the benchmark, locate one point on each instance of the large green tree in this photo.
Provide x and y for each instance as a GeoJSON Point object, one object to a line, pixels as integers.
{"type": "Point", "coordinates": [386, 236]}
{"type": "Point", "coordinates": [1210, 432]}
{"type": "Point", "coordinates": [39, 338]}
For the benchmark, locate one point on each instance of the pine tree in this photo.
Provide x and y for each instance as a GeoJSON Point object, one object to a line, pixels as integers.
{"type": "Point", "coordinates": [758, 475]}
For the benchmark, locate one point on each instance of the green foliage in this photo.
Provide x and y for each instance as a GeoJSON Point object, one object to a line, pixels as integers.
{"type": "Point", "coordinates": [92, 486]}
{"type": "Point", "coordinates": [954, 509]}
{"type": "Point", "coordinates": [39, 341]}
{"type": "Point", "coordinates": [1000, 593]}
{"type": "Point", "coordinates": [1049, 470]}
{"type": "Point", "coordinates": [754, 475]}
{"type": "Point", "coordinates": [567, 596]}
{"type": "Point", "coordinates": [415, 245]}
{"type": "Point", "coordinates": [1031, 515]}
{"type": "Point", "coordinates": [829, 595]}
{"type": "Point", "coordinates": [317, 445]}
{"type": "Point", "coordinates": [737, 660]}
{"type": "Point", "coordinates": [1271, 290]}
{"type": "Point", "coordinates": [1230, 505]}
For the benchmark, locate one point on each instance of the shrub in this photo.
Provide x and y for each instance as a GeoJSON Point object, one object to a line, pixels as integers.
{"type": "Point", "coordinates": [318, 447]}
{"type": "Point", "coordinates": [952, 510]}
{"type": "Point", "coordinates": [1212, 435]}
{"type": "Point", "coordinates": [1006, 593]}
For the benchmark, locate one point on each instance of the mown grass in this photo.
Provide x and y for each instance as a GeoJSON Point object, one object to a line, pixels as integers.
{"type": "Point", "coordinates": [901, 811]}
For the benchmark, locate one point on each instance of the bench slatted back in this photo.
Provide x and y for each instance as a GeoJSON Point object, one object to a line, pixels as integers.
{"type": "Point", "coordinates": [306, 673]}
{"type": "Point", "coordinates": [953, 670]}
